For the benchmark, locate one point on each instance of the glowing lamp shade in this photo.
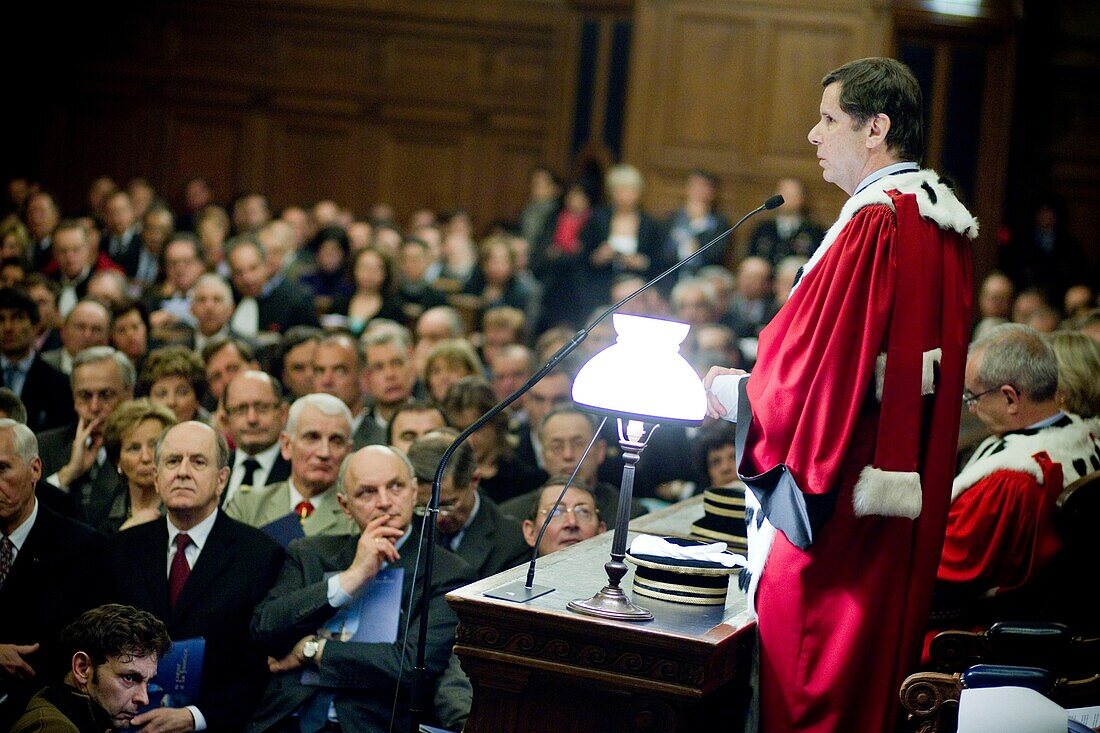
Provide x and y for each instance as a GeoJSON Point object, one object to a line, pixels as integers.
{"type": "Point", "coordinates": [642, 376]}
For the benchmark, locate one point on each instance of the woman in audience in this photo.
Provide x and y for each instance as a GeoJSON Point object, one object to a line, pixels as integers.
{"type": "Point", "coordinates": [621, 237]}
{"type": "Point", "coordinates": [495, 279]}
{"type": "Point", "coordinates": [560, 265]}
{"type": "Point", "coordinates": [1078, 374]}
{"type": "Point", "coordinates": [130, 437]}
{"type": "Point", "coordinates": [174, 376]}
{"type": "Point", "coordinates": [449, 361]}
{"type": "Point", "coordinates": [15, 240]}
{"type": "Point", "coordinates": [502, 475]}
{"type": "Point", "coordinates": [130, 330]}
{"type": "Point", "coordinates": [213, 228]}
{"type": "Point", "coordinates": [329, 281]}
{"type": "Point", "coordinates": [375, 295]}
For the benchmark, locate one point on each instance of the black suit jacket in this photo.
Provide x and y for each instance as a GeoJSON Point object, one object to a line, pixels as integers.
{"type": "Point", "coordinates": [47, 396]}
{"type": "Point", "coordinates": [93, 494]}
{"type": "Point", "coordinates": [56, 576]}
{"type": "Point", "coordinates": [280, 471]}
{"type": "Point", "coordinates": [493, 542]}
{"type": "Point", "coordinates": [288, 304]}
{"type": "Point", "coordinates": [233, 573]}
{"type": "Point", "coordinates": [363, 676]}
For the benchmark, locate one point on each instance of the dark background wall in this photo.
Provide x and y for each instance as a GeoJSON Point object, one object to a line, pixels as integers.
{"type": "Point", "coordinates": [437, 103]}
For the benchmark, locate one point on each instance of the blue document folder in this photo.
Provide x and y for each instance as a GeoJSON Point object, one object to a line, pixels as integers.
{"type": "Point", "coordinates": [372, 617]}
{"type": "Point", "coordinates": [285, 529]}
{"type": "Point", "coordinates": [179, 673]}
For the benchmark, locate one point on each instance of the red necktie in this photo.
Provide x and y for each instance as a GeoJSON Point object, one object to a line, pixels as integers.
{"type": "Point", "coordinates": [303, 510]}
{"type": "Point", "coordinates": [180, 572]}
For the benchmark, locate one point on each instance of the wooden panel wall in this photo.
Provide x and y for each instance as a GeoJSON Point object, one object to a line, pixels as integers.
{"type": "Point", "coordinates": [418, 103]}
{"type": "Point", "coordinates": [734, 88]}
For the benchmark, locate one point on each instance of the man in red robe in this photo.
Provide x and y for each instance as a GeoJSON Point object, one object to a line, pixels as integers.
{"type": "Point", "coordinates": [847, 427]}
{"type": "Point", "coordinates": [1001, 535]}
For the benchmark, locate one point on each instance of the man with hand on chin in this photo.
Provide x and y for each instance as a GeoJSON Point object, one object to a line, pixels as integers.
{"type": "Point", "coordinates": [355, 681]}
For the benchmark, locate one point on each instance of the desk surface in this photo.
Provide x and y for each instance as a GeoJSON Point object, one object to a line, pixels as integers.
{"type": "Point", "coordinates": [682, 647]}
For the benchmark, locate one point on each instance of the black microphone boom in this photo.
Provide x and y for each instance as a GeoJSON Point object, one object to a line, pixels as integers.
{"type": "Point", "coordinates": [433, 503]}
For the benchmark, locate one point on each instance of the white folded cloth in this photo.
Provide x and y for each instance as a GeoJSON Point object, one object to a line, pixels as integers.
{"type": "Point", "coordinates": [647, 544]}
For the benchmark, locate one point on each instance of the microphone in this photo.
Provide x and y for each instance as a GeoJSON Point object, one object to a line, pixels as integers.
{"type": "Point", "coordinates": [433, 504]}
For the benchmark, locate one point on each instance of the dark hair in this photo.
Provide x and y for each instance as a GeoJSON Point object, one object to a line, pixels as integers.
{"type": "Point", "coordinates": [16, 299]}
{"type": "Point", "coordinates": [292, 338]}
{"type": "Point", "coordinates": [389, 280]}
{"type": "Point", "coordinates": [874, 86]}
{"type": "Point", "coordinates": [475, 393]}
{"type": "Point", "coordinates": [115, 630]}
{"type": "Point", "coordinates": [710, 438]}
{"type": "Point", "coordinates": [215, 345]}
{"type": "Point", "coordinates": [427, 451]}
{"type": "Point", "coordinates": [336, 233]}
{"type": "Point", "coordinates": [124, 306]}
{"type": "Point", "coordinates": [558, 479]}
{"type": "Point", "coordinates": [12, 406]}
{"type": "Point", "coordinates": [35, 279]}
{"type": "Point", "coordinates": [411, 406]}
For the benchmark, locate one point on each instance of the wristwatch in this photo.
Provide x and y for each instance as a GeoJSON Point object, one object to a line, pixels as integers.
{"type": "Point", "coordinates": [309, 649]}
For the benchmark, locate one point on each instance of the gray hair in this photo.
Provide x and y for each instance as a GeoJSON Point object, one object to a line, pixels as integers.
{"type": "Point", "coordinates": [12, 406]}
{"type": "Point", "coordinates": [220, 444]}
{"type": "Point", "coordinates": [694, 283]}
{"type": "Point", "coordinates": [454, 319]}
{"type": "Point", "coordinates": [717, 272]}
{"type": "Point", "coordinates": [386, 336]}
{"type": "Point", "coordinates": [325, 403]}
{"type": "Point", "coordinates": [97, 354]}
{"type": "Point", "coordinates": [23, 439]}
{"type": "Point", "coordinates": [342, 475]}
{"type": "Point", "coordinates": [1017, 355]}
{"type": "Point", "coordinates": [217, 281]}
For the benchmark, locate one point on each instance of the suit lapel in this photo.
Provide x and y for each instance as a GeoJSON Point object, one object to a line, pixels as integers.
{"type": "Point", "coordinates": [277, 504]}
{"type": "Point", "coordinates": [152, 568]}
{"type": "Point", "coordinates": [476, 543]}
{"type": "Point", "coordinates": [327, 516]}
{"type": "Point", "coordinates": [215, 555]}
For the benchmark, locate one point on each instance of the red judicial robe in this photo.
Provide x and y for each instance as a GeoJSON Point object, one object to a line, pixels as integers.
{"type": "Point", "coordinates": [1000, 529]}
{"type": "Point", "coordinates": [855, 404]}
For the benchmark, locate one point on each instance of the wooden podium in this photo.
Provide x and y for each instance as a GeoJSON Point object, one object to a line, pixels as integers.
{"type": "Point", "coordinates": [538, 667]}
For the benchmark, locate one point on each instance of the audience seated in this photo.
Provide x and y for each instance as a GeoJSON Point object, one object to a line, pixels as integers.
{"type": "Point", "coordinates": [252, 416]}
{"type": "Point", "coordinates": [130, 440]}
{"type": "Point", "coordinates": [315, 441]}
{"type": "Point", "coordinates": [87, 324]}
{"type": "Point", "coordinates": [23, 369]}
{"type": "Point", "coordinates": [302, 620]}
{"type": "Point", "coordinates": [576, 519]}
{"type": "Point", "coordinates": [412, 420]}
{"type": "Point", "coordinates": [202, 574]}
{"type": "Point", "coordinates": [1001, 535]}
{"type": "Point", "coordinates": [469, 522]}
{"type": "Point", "coordinates": [790, 232]}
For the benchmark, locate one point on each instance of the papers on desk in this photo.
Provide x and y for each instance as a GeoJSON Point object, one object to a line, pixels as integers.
{"type": "Point", "coordinates": [372, 617]}
{"type": "Point", "coordinates": [1089, 717]}
{"type": "Point", "coordinates": [285, 529]}
{"type": "Point", "coordinates": [179, 673]}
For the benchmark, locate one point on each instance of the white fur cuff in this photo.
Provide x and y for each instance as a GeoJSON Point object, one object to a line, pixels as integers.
{"type": "Point", "coordinates": [887, 493]}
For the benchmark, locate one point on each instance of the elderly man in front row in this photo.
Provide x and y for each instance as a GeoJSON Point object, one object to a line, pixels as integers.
{"type": "Point", "coordinates": [1000, 528]}
{"type": "Point", "coordinates": [356, 681]}
{"type": "Point", "coordinates": [316, 439]}
{"type": "Point", "coordinates": [201, 573]}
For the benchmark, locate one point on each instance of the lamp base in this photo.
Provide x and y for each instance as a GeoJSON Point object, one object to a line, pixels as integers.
{"type": "Point", "coordinates": [518, 592]}
{"type": "Point", "coordinates": [610, 602]}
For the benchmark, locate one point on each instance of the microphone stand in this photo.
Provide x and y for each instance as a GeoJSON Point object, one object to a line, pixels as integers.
{"type": "Point", "coordinates": [433, 503]}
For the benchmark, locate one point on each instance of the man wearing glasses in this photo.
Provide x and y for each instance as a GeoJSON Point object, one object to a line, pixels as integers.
{"type": "Point", "coordinates": [1000, 528]}
{"type": "Point", "coordinates": [354, 681]}
{"type": "Point", "coordinates": [253, 414]}
{"type": "Point", "coordinates": [576, 519]}
{"type": "Point", "coordinates": [316, 439]}
{"type": "Point", "coordinates": [73, 457]}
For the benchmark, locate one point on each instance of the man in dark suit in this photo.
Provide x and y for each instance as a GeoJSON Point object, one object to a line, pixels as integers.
{"type": "Point", "coordinates": [390, 378]}
{"type": "Point", "coordinates": [469, 523]}
{"type": "Point", "coordinates": [201, 573]}
{"type": "Point", "coordinates": [43, 389]}
{"type": "Point", "coordinates": [73, 457]}
{"type": "Point", "coordinates": [791, 232]}
{"type": "Point", "coordinates": [357, 681]}
{"type": "Point", "coordinates": [265, 304]}
{"type": "Point", "coordinates": [48, 572]}
{"type": "Point", "coordinates": [253, 415]}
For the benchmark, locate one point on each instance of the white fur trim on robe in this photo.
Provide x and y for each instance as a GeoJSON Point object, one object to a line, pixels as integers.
{"type": "Point", "coordinates": [887, 493]}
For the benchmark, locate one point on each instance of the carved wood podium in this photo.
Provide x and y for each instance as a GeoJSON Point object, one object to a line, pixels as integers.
{"type": "Point", "coordinates": [538, 667]}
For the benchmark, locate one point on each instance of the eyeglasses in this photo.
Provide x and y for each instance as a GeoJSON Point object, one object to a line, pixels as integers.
{"type": "Point", "coordinates": [583, 513]}
{"type": "Point", "coordinates": [970, 399]}
{"type": "Point", "coordinates": [445, 510]}
{"type": "Point", "coordinates": [262, 409]}
{"type": "Point", "coordinates": [84, 396]}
